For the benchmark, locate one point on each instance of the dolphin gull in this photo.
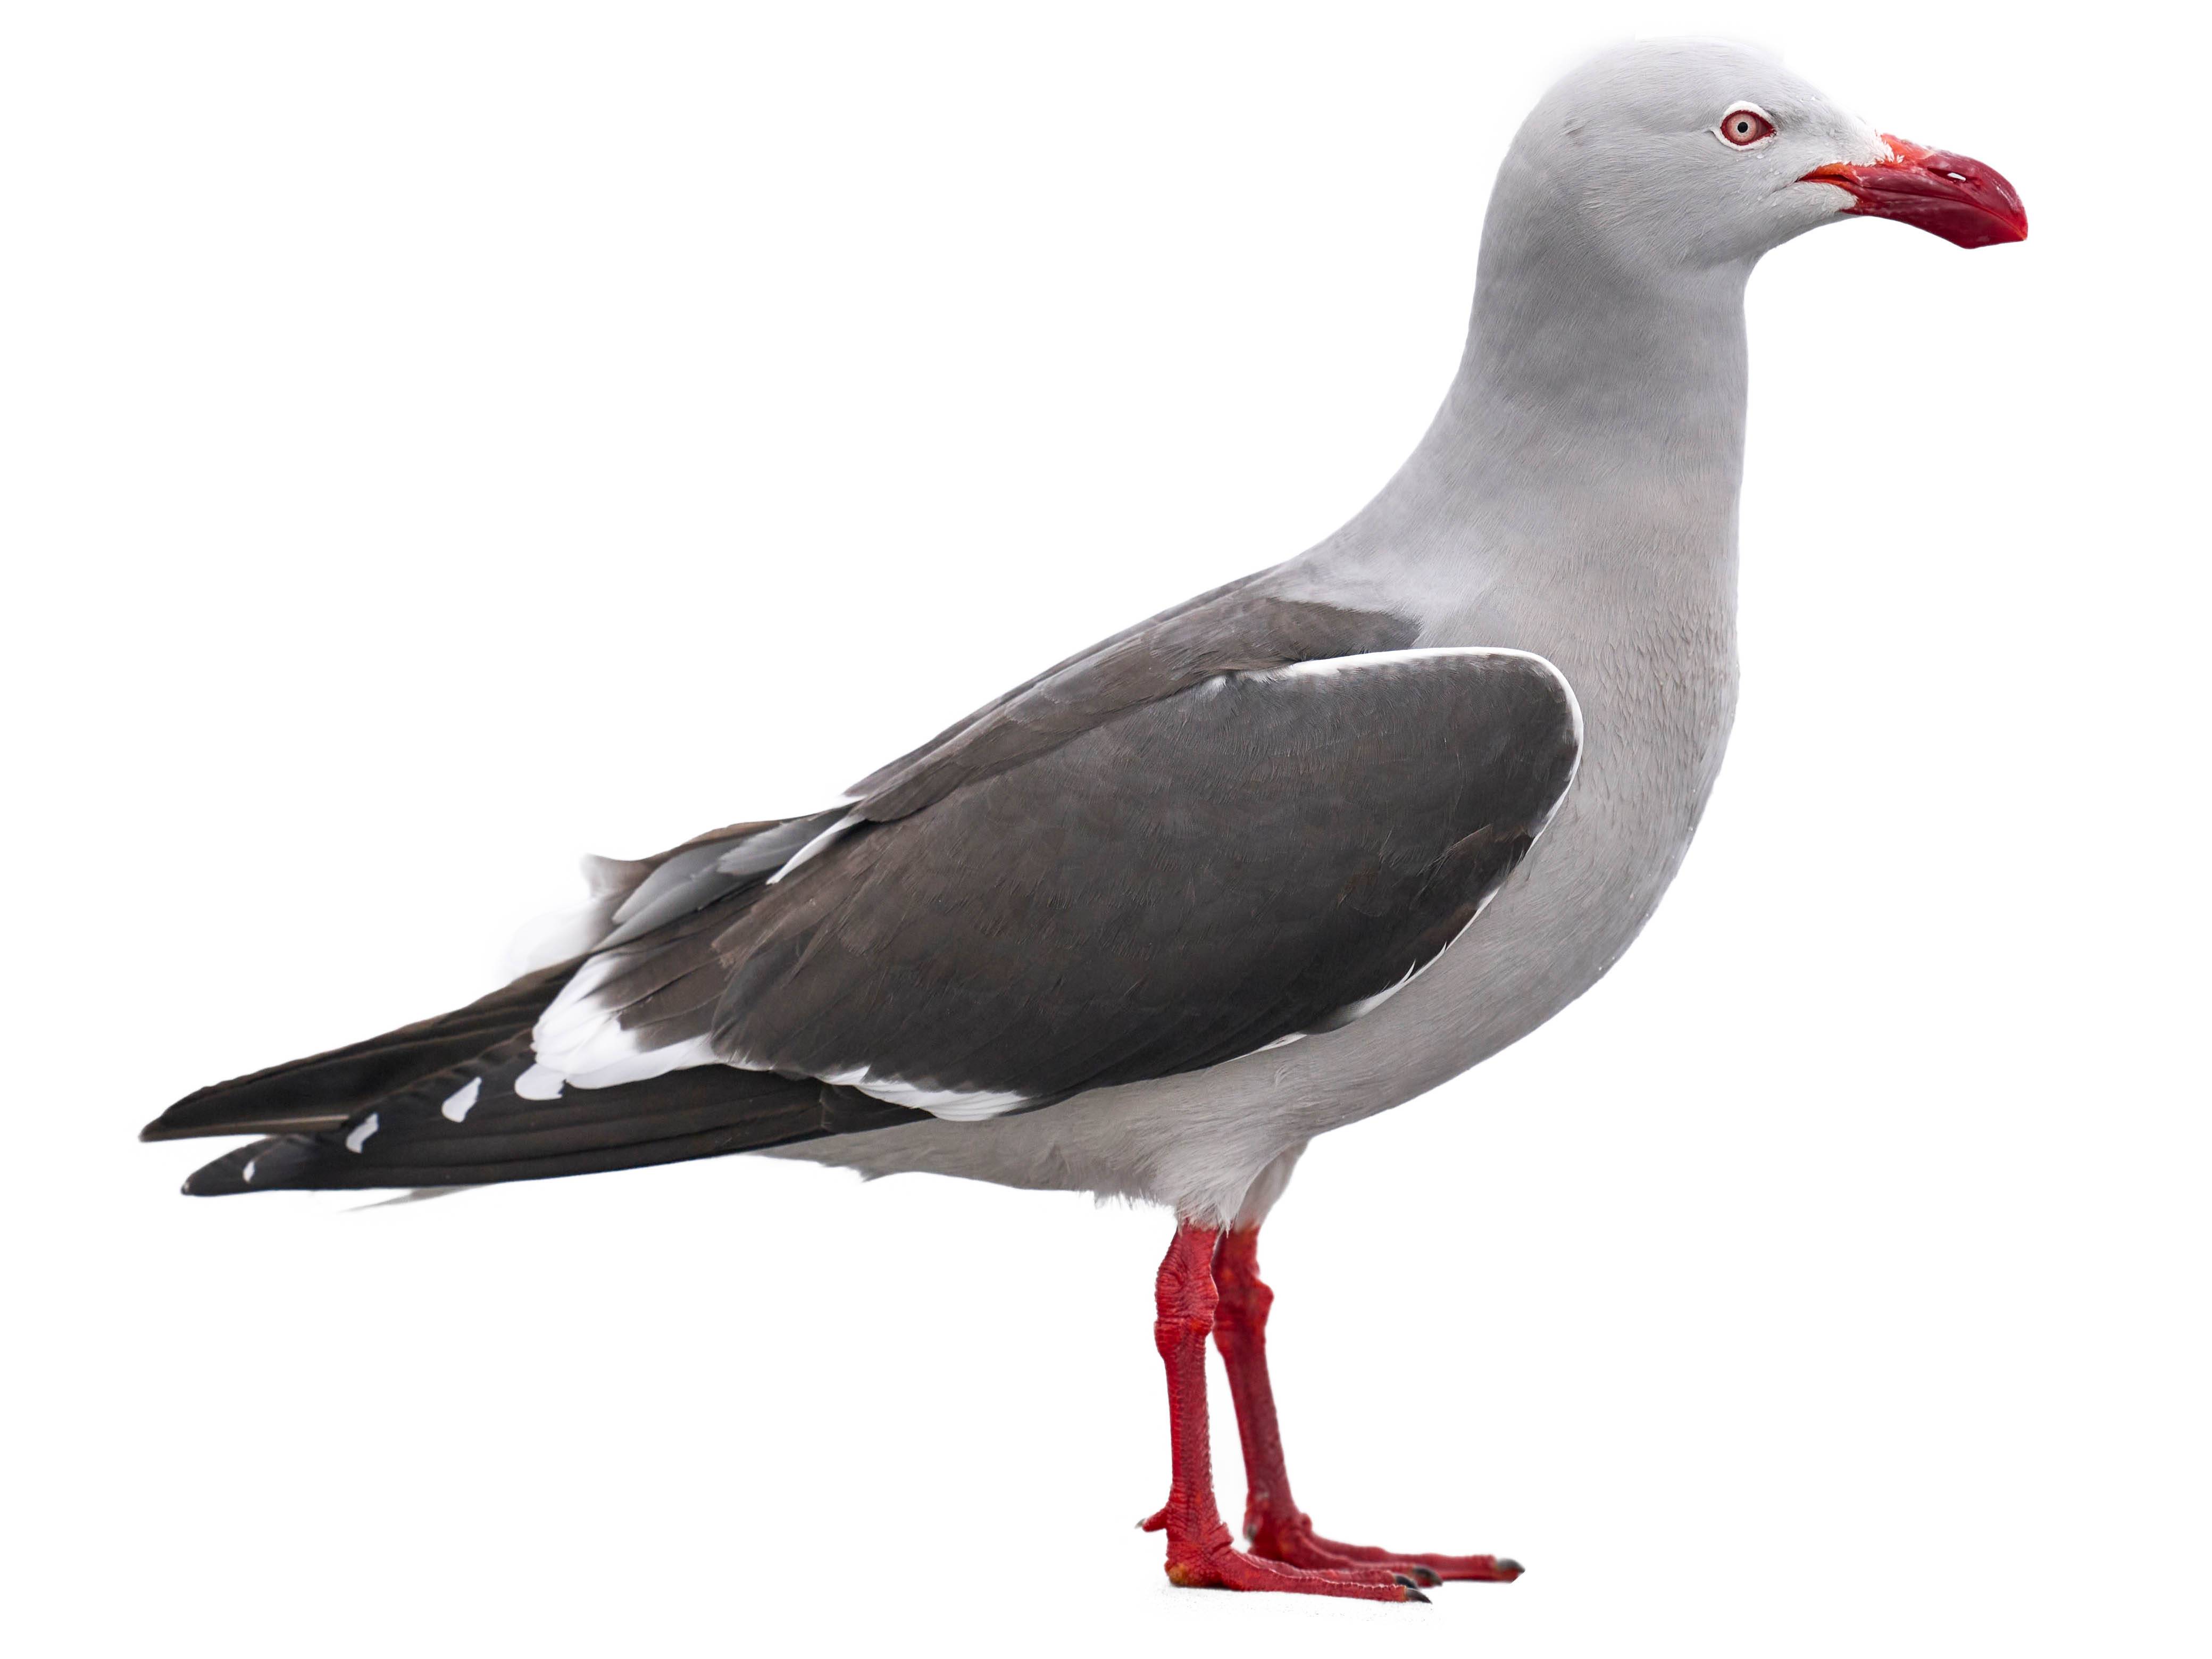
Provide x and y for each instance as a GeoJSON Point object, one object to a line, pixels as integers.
{"type": "Point", "coordinates": [1277, 859]}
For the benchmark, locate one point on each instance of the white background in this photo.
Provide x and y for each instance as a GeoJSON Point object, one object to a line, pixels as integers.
{"type": "Point", "coordinates": [440, 439]}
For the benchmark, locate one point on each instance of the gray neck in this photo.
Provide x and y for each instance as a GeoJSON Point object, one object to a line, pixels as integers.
{"type": "Point", "coordinates": [1590, 450]}
{"type": "Point", "coordinates": [1576, 496]}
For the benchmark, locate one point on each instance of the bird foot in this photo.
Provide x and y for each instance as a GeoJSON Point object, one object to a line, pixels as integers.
{"type": "Point", "coordinates": [1214, 1563]}
{"type": "Point", "coordinates": [1294, 1542]}
{"type": "Point", "coordinates": [1224, 1567]}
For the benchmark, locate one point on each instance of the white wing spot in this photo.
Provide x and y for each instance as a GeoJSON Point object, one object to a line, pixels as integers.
{"type": "Point", "coordinates": [458, 1102]}
{"type": "Point", "coordinates": [540, 1082]}
{"type": "Point", "coordinates": [820, 844]}
{"type": "Point", "coordinates": [245, 1174]}
{"type": "Point", "coordinates": [1327, 667]}
{"type": "Point", "coordinates": [362, 1131]}
{"type": "Point", "coordinates": [955, 1105]}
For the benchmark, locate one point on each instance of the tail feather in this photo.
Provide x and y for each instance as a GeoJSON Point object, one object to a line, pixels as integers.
{"type": "Point", "coordinates": [434, 1104]}
{"type": "Point", "coordinates": [324, 1091]}
{"type": "Point", "coordinates": [409, 1141]}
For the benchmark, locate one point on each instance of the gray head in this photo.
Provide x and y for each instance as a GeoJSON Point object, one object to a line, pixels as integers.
{"type": "Point", "coordinates": [1692, 154]}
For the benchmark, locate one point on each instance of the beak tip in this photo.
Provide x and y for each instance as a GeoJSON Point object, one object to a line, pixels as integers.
{"type": "Point", "coordinates": [1953, 197]}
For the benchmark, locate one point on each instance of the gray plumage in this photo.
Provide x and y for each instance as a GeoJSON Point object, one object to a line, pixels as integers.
{"type": "Point", "coordinates": [1274, 860]}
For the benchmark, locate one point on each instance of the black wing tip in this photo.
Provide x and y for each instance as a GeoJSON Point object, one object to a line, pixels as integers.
{"type": "Point", "coordinates": [226, 1174]}
{"type": "Point", "coordinates": [180, 1124]}
{"type": "Point", "coordinates": [181, 1121]}
{"type": "Point", "coordinates": [261, 1166]}
{"type": "Point", "coordinates": [687, 1114]}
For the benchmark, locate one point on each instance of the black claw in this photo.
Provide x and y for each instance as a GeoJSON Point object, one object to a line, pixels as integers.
{"type": "Point", "coordinates": [1427, 1576]}
{"type": "Point", "coordinates": [1415, 1596]}
{"type": "Point", "coordinates": [1507, 1564]}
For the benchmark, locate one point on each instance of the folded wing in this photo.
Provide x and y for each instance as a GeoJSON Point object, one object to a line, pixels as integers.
{"type": "Point", "coordinates": [1251, 818]}
{"type": "Point", "coordinates": [1262, 854]}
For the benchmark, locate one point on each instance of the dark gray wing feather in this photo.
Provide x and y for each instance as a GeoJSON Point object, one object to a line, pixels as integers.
{"type": "Point", "coordinates": [1171, 886]}
{"type": "Point", "coordinates": [699, 872]}
{"type": "Point", "coordinates": [890, 769]}
{"type": "Point", "coordinates": [1233, 629]}
{"type": "Point", "coordinates": [1155, 856]}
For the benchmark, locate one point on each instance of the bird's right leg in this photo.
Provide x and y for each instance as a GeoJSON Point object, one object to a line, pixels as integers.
{"type": "Point", "coordinates": [1278, 1529]}
{"type": "Point", "coordinates": [1200, 1553]}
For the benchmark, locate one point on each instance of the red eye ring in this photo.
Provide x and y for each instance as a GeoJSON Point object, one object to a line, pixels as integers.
{"type": "Point", "coordinates": [1745, 125]}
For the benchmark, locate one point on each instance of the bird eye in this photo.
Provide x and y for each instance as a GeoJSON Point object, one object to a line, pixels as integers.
{"type": "Point", "coordinates": [1745, 125]}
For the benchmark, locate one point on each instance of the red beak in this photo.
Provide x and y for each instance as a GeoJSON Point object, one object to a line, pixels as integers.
{"type": "Point", "coordinates": [1953, 196]}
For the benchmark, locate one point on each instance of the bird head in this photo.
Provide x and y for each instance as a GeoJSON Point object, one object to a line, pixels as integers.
{"type": "Point", "coordinates": [1692, 153]}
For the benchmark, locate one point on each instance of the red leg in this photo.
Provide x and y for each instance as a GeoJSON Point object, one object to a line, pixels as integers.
{"type": "Point", "coordinates": [1273, 1521]}
{"type": "Point", "coordinates": [1200, 1554]}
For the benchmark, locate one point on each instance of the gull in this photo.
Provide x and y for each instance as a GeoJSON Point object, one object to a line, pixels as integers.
{"type": "Point", "coordinates": [1281, 857]}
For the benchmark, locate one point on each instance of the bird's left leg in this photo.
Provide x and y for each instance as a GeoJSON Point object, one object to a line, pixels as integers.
{"type": "Point", "coordinates": [1277, 1529]}
{"type": "Point", "coordinates": [1200, 1554]}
